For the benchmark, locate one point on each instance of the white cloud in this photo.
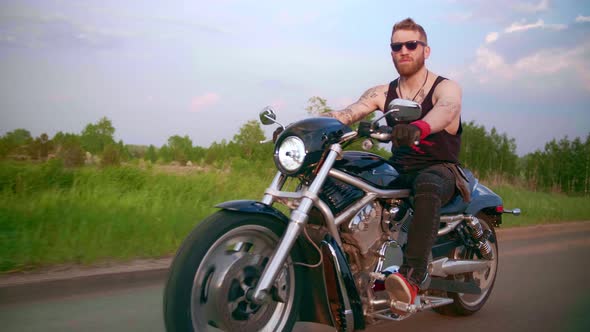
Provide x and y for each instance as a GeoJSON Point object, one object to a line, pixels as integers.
{"type": "Point", "coordinates": [490, 65]}
{"type": "Point", "coordinates": [489, 62]}
{"type": "Point", "coordinates": [492, 37]}
{"type": "Point", "coordinates": [582, 19]}
{"type": "Point", "coordinates": [528, 7]}
{"type": "Point", "coordinates": [200, 103]}
{"type": "Point", "coordinates": [540, 24]}
{"type": "Point", "coordinates": [545, 62]}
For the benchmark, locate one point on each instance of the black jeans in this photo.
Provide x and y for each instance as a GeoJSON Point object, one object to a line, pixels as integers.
{"type": "Point", "coordinates": [432, 188]}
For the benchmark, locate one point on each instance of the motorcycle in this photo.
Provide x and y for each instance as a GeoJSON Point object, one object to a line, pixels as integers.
{"type": "Point", "coordinates": [323, 252]}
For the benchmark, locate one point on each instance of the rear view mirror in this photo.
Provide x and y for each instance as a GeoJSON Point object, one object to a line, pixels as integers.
{"type": "Point", "coordinates": [268, 116]}
{"type": "Point", "coordinates": [404, 110]}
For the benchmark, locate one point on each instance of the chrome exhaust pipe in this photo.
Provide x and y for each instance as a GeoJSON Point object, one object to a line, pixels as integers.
{"type": "Point", "coordinates": [444, 267]}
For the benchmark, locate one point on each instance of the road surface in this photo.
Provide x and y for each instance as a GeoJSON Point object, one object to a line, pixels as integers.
{"type": "Point", "coordinates": [543, 285]}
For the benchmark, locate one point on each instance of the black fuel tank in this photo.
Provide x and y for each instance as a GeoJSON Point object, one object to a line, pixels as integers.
{"type": "Point", "coordinates": [372, 168]}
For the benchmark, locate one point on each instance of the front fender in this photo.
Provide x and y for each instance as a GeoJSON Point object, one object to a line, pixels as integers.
{"type": "Point", "coordinates": [314, 304]}
{"type": "Point", "coordinates": [253, 207]}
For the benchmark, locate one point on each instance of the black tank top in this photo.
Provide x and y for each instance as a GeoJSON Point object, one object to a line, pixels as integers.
{"type": "Point", "coordinates": [437, 148]}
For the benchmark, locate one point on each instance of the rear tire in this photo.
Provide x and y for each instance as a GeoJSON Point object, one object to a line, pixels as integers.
{"type": "Point", "coordinates": [217, 263]}
{"type": "Point", "coordinates": [468, 304]}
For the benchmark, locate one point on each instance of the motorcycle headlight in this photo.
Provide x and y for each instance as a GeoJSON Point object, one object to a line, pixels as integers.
{"type": "Point", "coordinates": [291, 153]}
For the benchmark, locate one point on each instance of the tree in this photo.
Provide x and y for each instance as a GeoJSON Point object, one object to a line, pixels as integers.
{"type": "Point", "coordinates": [151, 154]}
{"type": "Point", "coordinates": [70, 150]}
{"type": "Point", "coordinates": [487, 153]}
{"type": "Point", "coordinates": [39, 148]}
{"type": "Point", "coordinates": [18, 137]}
{"type": "Point", "coordinates": [111, 156]}
{"type": "Point", "coordinates": [15, 141]}
{"type": "Point", "coordinates": [180, 148]}
{"type": "Point", "coordinates": [564, 165]}
{"type": "Point", "coordinates": [95, 137]}
{"type": "Point", "coordinates": [165, 154]}
{"type": "Point", "coordinates": [317, 106]}
{"type": "Point", "coordinates": [249, 137]}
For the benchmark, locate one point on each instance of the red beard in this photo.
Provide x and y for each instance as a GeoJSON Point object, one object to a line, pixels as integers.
{"type": "Point", "coordinates": [411, 67]}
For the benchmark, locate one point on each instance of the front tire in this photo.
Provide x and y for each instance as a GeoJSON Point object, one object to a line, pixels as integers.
{"type": "Point", "coordinates": [468, 304]}
{"type": "Point", "coordinates": [218, 262]}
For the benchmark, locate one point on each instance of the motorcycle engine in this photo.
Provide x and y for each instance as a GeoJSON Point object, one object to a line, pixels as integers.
{"type": "Point", "coordinates": [363, 237]}
{"type": "Point", "coordinates": [365, 227]}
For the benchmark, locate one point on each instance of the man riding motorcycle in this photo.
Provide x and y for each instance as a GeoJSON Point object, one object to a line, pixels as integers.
{"type": "Point", "coordinates": [425, 152]}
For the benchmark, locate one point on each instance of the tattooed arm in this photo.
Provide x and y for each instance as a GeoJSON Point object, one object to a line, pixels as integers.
{"type": "Point", "coordinates": [371, 100]}
{"type": "Point", "coordinates": [447, 108]}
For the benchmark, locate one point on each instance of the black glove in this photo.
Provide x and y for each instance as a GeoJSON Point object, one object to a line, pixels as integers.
{"type": "Point", "coordinates": [276, 134]}
{"type": "Point", "coordinates": [364, 128]}
{"type": "Point", "coordinates": [405, 135]}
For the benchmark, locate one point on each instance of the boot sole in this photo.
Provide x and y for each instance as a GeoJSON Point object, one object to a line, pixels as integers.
{"type": "Point", "coordinates": [398, 289]}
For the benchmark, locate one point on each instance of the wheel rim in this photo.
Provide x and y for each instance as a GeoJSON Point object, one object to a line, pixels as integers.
{"type": "Point", "coordinates": [231, 266]}
{"type": "Point", "coordinates": [483, 279]}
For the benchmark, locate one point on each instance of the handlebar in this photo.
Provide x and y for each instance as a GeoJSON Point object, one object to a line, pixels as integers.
{"type": "Point", "coordinates": [368, 129]}
{"type": "Point", "coordinates": [382, 134]}
{"type": "Point", "coordinates": [381, 137]}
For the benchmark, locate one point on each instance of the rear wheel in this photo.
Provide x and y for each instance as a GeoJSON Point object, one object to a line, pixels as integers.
{"type": "Point", "coordinates": [468, 304]}
{"type": "Point", "coordinates": [217, 264]}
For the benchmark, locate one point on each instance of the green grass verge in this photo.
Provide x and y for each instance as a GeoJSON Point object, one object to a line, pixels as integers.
{"type": "Point", "coordinates": [50, 215]}
{"type": "Point", "coordinates": [88, 215]}
{"type": "Point", "coordinates": [541, 207]}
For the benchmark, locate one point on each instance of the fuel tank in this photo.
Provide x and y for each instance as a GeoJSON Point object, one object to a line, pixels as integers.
{"type": "Point", "coordinates": [369, 167]}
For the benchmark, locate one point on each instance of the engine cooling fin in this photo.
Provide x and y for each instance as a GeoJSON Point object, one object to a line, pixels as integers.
{"type": "Point", "coordinates": [339, 195]}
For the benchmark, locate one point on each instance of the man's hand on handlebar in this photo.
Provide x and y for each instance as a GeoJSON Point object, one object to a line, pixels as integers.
{"type": "Point", "coordinates": [405, 135]}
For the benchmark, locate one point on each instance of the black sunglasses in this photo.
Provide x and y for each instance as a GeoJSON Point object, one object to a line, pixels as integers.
{"type": "Point", "coordinates": [410, 45]}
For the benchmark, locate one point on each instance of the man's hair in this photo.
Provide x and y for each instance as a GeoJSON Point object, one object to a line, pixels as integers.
{"type": "Point", "coordinates": [409, 24]}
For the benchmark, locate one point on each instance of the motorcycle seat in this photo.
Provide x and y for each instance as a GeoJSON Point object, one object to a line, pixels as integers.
{"type": "Point", "coordinates": [457, 204]}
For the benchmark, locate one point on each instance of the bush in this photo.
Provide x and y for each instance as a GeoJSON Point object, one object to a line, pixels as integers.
{"type": "Point", "coordinates": [110, 156]}
{"type": "Point", "coordinates": [72, 154]}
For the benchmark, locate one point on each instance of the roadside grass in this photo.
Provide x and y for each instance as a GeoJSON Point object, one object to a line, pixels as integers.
{"type": "Point", "coordinates": [88, 215]}
{"type": "Point", "coordinates": [541, 207]}
{"type": "Point", "coordinates": [50, 215]}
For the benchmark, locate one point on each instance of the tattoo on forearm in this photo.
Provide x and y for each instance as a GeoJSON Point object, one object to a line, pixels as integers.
{"type": "Point", "coordinates": [347, 116]}
{"type": "Point", "coordinates": [364, 104]}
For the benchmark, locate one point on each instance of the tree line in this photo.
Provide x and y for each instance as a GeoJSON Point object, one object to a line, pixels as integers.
{"type": "Point", "coordinates": [563, 165]}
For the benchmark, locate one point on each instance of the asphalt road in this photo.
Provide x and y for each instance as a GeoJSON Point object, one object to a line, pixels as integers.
{"type": "Point", "coordinates": [543, 285]}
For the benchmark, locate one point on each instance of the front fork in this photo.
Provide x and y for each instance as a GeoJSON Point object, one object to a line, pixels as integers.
{"type": "Point", "coordinates": [297, 222]}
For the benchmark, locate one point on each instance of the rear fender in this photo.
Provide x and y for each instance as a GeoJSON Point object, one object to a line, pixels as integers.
{"type": "Point", "coordinates": [482, 197]}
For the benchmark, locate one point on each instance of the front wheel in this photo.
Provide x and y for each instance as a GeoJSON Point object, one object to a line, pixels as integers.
{"type": "Point", "coordinates": [217, 264]}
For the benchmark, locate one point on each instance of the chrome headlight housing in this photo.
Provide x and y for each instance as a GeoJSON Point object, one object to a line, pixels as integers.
{"type": "Point", "coordinates": [290, 155]}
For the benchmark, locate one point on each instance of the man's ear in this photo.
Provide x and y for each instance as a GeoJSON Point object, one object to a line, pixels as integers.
{"type": "Point", "coordinates": [426, 52]}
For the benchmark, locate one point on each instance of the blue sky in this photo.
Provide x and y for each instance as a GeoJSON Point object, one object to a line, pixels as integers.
{"type": "Point", "coordinates": [204, 68]}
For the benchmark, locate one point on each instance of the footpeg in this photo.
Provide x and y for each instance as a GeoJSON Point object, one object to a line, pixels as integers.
{"type": "Point", "coordinates": [403, 307]}
{"type": "Point", "coordinates": [422, 303]}
{"type": "Point", "coordinates": [398, 311]}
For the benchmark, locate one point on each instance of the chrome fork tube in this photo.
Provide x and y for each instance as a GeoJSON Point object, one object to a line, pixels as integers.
{"type": "Point", "coordinates": [276, 184]}
{"type": "Point", "coordinates": [298, 220]}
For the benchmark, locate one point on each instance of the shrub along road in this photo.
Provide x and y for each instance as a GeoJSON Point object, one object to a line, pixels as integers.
{"type": "Point", "coordinates": [542, 285]}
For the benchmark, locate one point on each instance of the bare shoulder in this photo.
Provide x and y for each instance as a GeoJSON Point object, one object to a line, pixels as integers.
{"type": "Point", "coordinates": [447, 88]}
